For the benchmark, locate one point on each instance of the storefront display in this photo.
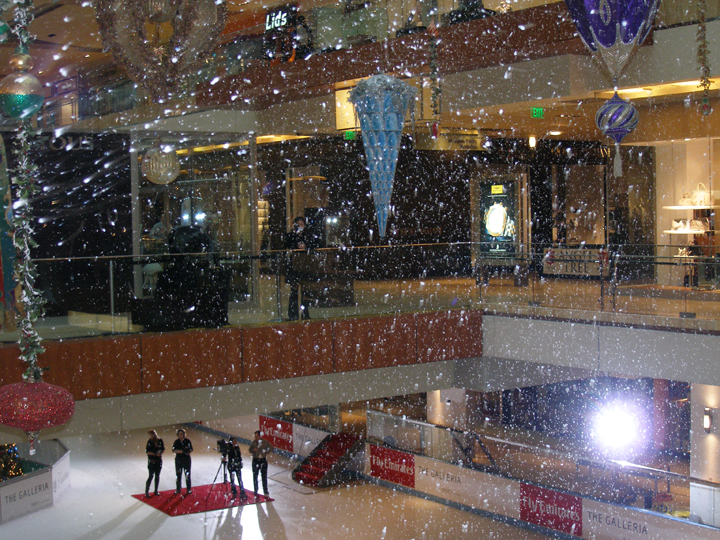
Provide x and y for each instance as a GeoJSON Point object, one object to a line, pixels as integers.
{"type": "Point", "coordinates": [499, 215]}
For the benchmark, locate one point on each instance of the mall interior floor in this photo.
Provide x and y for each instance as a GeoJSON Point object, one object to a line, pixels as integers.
{"type": "Point", "coordinates": [107, 469]}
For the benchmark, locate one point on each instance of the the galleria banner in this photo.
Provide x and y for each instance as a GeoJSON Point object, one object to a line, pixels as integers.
{"type": "Point", "coordinates": [555, 510]}
{"type": "Point", "coordinates": [25, 494]}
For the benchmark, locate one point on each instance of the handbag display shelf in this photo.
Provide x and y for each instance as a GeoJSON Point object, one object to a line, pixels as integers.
{"type": "Point", "coordinates": [692, 228]}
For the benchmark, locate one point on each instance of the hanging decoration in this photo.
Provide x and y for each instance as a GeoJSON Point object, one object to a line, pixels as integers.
{"type": "Point", "coordinates": [21, 94]}
{"type": "Point", "coordinates": [31, 405]}
{"type": "Point", "coordinates": [613, 31]}
{"type": "Point", "coordinates": [160, 167]}
{"type": "Point", "coordinates": [381, 103]}
{"type": "Point", "coordinates": [702, 58]}
{"type": "Point", "coordinates": [435, 90]}
{"type": "Point", "coordinates": [161, 42]}
{"type": "Point", "coordinates": [616, 118]}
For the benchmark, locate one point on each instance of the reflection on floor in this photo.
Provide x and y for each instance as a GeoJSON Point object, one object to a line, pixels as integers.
{"type": "Point", "coordinates": [108, 469]}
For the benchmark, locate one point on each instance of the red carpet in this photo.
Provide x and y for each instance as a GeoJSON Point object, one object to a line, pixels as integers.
{"type": "Point", "coordinates": [202, 499]}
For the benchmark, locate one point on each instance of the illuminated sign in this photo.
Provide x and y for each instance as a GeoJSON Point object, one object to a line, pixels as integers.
{"type": "Point", "coordinates": [279, 18]}
{"type": "Point", "coordinates": [538, 112]}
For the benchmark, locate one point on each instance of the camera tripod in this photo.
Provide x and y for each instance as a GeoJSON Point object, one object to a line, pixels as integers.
{"type": "Point", "coordinates": [223, 466]}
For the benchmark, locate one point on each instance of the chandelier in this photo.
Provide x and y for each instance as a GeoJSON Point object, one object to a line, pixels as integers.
{"type": "Point", "coordinates": [160, 42]}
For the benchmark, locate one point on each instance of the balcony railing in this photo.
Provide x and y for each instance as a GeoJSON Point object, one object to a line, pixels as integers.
{"type": "Point", "coordinates": [662, 485]}
{"type": "Point", "coordinates": [629, 284]}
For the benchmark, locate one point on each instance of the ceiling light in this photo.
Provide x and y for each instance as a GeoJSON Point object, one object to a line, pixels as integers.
{"type": "Point", "coordinates": [686, 83]}
{"type": "Point", "coordinates": [555, 133]}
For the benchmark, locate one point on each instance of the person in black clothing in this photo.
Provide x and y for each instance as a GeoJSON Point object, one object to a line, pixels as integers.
{"type": "Point", "coordinates": [296, 239]}
{"type": "Point", "coordinates": [234, 466]}
{"type": "Point", "coordinates": [259, 449]}
{"type": "Point", "coordinates": [154, 450]}
{"type": "Point", "coordinates": [182, 448]}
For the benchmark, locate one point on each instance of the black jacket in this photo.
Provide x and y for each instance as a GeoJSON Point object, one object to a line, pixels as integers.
{"type": "Point", "coordinates": [186, 446]}
{"type": "Point", "coordinates": [293, 240]}
{"type": "Point", "coordinates": [156, 446]}
{"type": "Point", "coordinates": [234, 458]}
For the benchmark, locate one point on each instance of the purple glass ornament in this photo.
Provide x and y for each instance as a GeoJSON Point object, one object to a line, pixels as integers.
{"type": "Point", "coordinates": [613, 30]}
{"type": "Point", "coordinates": [616, 118]}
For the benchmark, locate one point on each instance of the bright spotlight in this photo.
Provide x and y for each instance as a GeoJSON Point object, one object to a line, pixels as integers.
{"type": "Point", "coordinates": [616, 427]}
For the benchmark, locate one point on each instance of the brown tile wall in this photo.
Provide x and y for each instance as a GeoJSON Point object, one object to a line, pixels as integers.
{"type": "Point", "coordinates": [117, 366]}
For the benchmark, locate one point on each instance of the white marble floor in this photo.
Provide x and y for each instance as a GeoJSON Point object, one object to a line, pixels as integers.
{"type": "Point", "coordinates": [107, 469]}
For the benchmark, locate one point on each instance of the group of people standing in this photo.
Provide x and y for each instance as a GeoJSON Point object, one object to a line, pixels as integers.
{"type": "Point", "coordinates": [182, 448]}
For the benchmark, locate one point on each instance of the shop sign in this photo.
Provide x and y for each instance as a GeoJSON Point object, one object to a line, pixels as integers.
{"type": "Point", "coordinates": [392, 466]}
{"type": "Point", "coordinates": [67, 142]}
{"type": "Point", "coordinates": [25, 494]}
{"type": "Point", "coordinates": [65, 86]}
{"type": "Point", "coordinates": [279, 18]}
{"type": "Point", "coordinates": [552, 509]}
{"type": "Point", "coordinates": [573, 262]}
{"type": "Point", "coordinates": [306, 439]}
{"type": "Point", "coordinates": [277, 432]}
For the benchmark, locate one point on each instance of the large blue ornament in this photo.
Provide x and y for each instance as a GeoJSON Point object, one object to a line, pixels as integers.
{"type": "Point", "coordinates": [616, 118]}
{"type": "Point", "coordinates": [613, 30]}
{"type": "Point", "coordinates": [381, 103]}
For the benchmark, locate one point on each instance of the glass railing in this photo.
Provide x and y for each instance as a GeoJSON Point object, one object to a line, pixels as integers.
{"type": "Point", "coordinates": [661, 485]}
{"type": "Point", "coordinates": [658, 285]}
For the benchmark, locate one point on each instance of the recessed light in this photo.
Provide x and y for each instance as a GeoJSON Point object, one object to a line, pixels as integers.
{"type": "Point", "coordinates": [555, 132]}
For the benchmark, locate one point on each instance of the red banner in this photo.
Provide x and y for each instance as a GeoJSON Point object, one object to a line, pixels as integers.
{"type": "Point", "coordinates": [392, 466]}
{"type": "Point", "coordinates": [551, 509]}
{"type": "Point", "coordinates": [277, 432]}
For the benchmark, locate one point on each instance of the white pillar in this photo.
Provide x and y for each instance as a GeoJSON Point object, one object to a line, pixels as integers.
{"type": "Point", "coordinates": [448, 408]}
{"type": "Point", "coordinates": [135, 212]}
{"type": "Point", "coordinates": [705, 454]}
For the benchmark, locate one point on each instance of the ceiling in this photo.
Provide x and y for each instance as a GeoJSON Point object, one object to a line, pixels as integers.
{"type": "Point", "coordinates": [68, 38]}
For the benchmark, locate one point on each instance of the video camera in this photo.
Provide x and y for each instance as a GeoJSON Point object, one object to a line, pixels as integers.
{"type": "Point", "coordinates": [223, 446]}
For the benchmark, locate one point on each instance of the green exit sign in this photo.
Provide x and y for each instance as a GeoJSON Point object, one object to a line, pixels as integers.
{"type": "Point", "coordinates": [538, 112]}
{"type": "Point", "coordinates": [350, 135]}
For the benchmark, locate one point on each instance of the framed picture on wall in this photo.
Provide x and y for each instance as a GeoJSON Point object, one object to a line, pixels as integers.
{"type": "Point", "coordinates": [499, 227]}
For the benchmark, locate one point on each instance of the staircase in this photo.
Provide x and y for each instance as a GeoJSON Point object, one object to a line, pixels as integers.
{"type": "Point", "coordinates": [325, 466]}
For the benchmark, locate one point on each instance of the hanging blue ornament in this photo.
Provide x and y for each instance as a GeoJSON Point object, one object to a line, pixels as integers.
{"type": "Point", "coordinates": [613, 31]}
{"type": "Point", "coordinates": [381, 103]}
{"type": "Point", "coordinates": [616, 118]}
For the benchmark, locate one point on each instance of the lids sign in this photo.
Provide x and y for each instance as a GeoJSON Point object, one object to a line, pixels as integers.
{"type": "Point", "coordinates": [551, 509]}
{"type": "Point", "coordinates": [392, 466]}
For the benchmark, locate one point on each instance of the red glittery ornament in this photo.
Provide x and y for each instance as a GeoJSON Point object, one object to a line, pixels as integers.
{"type": "Point", "coordinates": [34, 406]}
